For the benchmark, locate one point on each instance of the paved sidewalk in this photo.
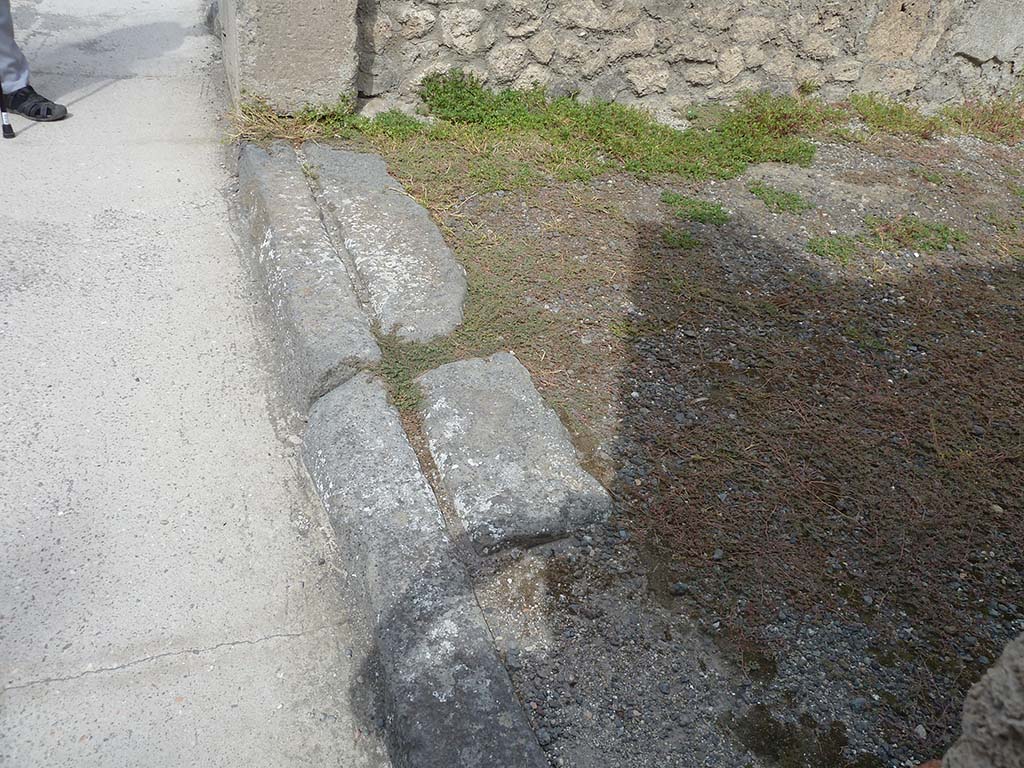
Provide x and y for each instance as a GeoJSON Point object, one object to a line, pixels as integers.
{"type": "Point", "coordinates": [166, 593]}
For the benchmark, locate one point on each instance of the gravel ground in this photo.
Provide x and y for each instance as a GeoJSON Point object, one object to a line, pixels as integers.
{"type": "Point", "coordinates": [817, 461]}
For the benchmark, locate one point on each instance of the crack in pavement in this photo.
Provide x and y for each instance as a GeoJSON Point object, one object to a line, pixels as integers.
{"type": "Point", "coordinates": [154, 657]}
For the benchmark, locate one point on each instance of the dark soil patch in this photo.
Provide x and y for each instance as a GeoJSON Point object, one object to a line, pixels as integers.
{"type": "Point", "coordinates": [805, 445]}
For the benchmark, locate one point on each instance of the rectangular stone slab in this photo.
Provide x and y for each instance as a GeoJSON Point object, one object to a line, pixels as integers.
{"type": "Point", "coordinates": [449, 701]}
{"type": "Point", "coordinates": [415, 286]}
{"type": "Point", "coordinates": [323, 336]}
{"type": "Point", "coordinates": [503, 455]}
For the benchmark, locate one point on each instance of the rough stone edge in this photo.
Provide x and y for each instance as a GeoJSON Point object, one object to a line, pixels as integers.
{"type": "Point", "coordinates": [448, 698]}
{"type": "Point", "coordinates": [992, 733]}
{"type": "Point", "coordinates": [444, 312]}
{"type": "Point", "coordinates": [578, 511]}
{"type": "Point", "coordinates": [310, 327]}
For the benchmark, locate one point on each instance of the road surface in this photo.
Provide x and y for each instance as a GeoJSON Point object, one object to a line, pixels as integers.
{"type": "Point", "coordinates": [167, 593]}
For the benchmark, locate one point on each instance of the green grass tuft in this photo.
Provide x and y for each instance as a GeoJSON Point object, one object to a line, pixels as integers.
{"type": "Point", "coordinates": [679, 238]}
{"type": "Point", "coordinates": [777, 200]}
{"type": "Point", "coordinates": [884, 115]}
{"type": "Point", "coordinates": [692, 209]}
{"type": "Point", "coordinates": [838, 248]}
{"type": "Point", "coordinates": [998, 120]}
{"type": "Point", "coordinates": [933, 177]}
{"type": "Point", "coordinates": [910, 232]}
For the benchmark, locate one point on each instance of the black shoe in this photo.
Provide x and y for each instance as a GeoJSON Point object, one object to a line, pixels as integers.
{"type": "Point", "coordinates": [27, 103]}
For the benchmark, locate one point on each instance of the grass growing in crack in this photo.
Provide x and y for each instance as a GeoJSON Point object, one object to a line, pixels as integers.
{"type": "Point", "coordinates": [910, 232]}
{"type": "Point", "coordinates": [498, 315]}
{"type": "Point", "coordinates": [838, 248]}
{"type": "Point", "coordinates": [692, 209]}
{"type": "Point", "coordinates": [777, 200]}
{"type": "Point", "coordinates": [884, 115]}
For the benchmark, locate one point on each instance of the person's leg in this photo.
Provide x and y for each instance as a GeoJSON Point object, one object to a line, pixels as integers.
{"type": "Point", "coordinates": [19, 96]}
{"type": "Point", "coordinates": [13, 66]}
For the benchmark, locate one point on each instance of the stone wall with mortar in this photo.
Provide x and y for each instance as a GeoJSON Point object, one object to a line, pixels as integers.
{"type": "Point", "coordinates": [666, 54]}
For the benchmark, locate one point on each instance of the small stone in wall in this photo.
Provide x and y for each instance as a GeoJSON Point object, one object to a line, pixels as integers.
{"type": "Point", "coordinates": [730, 64]}
{"type": "Point", "coordinates": [698, 48]}
{"type": "Point", "coordinates": [754, 56]}
{"type": "Point", "coordinates": [507, 61]}
{"type": "Point", "coordinates": [819, 47]}
{"type": "Point", "coordinates": [647, 76]}
{"type": "Point", "coordinates": [415, 22]}
{"type": "Point", "coordinates": [542, 46]}
{"type": "Point", "coordinates": [845, 70]}
{"type": "Point", "coordinates": [780, 64]}
{"type": "Point", "coordinates": [534, 76]}
{"type": "Point", "coordinates": [600, 17]}
{"type": "Point", "coordinates": [701, 74]}
{"type": "Point", "coordinates": [525, 17]}
{"type": "Point", "coordinates": [639, 42]}
{"type": "Point", "coordinates": [463, 29]}
{"type": "Point", "coordinates": [748, 29]}
{"type": "Point", "coordinates": [716, 16]}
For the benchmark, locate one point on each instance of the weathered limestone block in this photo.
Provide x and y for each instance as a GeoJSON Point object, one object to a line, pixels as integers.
{"type": "Point", "coordinates": [503, 456]}
{"type": "Point", "coordinates": [993, 30]}
{"type": "Point", "coordinates": [820, 47]}
{"type": "Point", "coordinates": [290, 52]}
{"type": "Point", "coordinates": [751, 28]}
{"type": "Point", "coordinates": [993, 720]}
{"type": "Point", "coordinates": [525, 18]}
{"type": "Point", "coordinates": [535, 75]}
{"type": "Point", "coordinates": [414, 284]}
{"type": "Point", "coordinates": [542, 46]}
{"type": "Point", "coordinates": [416, 22]}
{"type": "Point", "coordinates": [845, 70]}
{"type": "Point", "coordinates": [323, 336]}
{"type": "Point", "coordinates": [599, 15]}
{"type": "Point", "coordinates": [448, 699]}
{"type": "Point", "coordinates": [507, 61]}
{"type": "Point", "coordinates": [730, 64]}
{"type": "Point", "coordinates": [697, 49]}
{"type": "Point", "coordinates": [647, 76]}
{"type": "Point", "coordinates": [464, 30]}
{"type": "Point", "coordinates": [701, 74]}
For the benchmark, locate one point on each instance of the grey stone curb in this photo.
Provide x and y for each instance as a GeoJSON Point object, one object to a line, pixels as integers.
{"type": "Point", "coordinates": [448, 699]}
{"type": "Point", "coordinates": [323, 334]}
{"type": "Point", "coordinates": [414, 285]}
{"type": "Point", "coordinates": [503, 455]}
{"type": "Point", "coordinates": [449, 702]}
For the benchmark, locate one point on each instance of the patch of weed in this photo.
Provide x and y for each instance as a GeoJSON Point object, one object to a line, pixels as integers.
{"type": "Point", "coordinates": [335, 119]}
{"type": "Point", "coordinates": [932, 177]}
{"type": "Point", "coordinates": [777, 200]}
{"type": "Point", "coordinates": [807, 87]}
{"type": "Point", "coordinates": [884, 115]}
{"type": "Point", "coordinates": [692, 209]}
{"type": "Point", "coordinates": [679, 238]}
{"type": "Point", "coordinates": [310, 172]}
{"type": "Point", "coordinates": [1018, 191]}
{"type": "Point", "coordinates": [838, 248]}
{"type": "Point", "coordinates": [997, 120]}
{"type": "Point", "coordinates": [910, 232]}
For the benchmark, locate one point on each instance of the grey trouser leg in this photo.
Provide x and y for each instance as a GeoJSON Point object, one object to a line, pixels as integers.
{"type": "Point", "coordinates": [13, 66]}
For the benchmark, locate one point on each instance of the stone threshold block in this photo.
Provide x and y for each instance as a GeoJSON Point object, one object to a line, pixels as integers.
{"type": "Point", "coordinates": [448, 699]}
{"type": "Point", "coordinates": [415, 286]}
{"type": "Point", "coordinates": [323, 336]}
{"type": "Point", "coordinates": [504, 457]}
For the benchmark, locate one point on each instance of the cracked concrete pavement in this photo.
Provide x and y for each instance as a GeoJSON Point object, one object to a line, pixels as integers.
{"type": "Point", "coordinates": [167, 595]}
